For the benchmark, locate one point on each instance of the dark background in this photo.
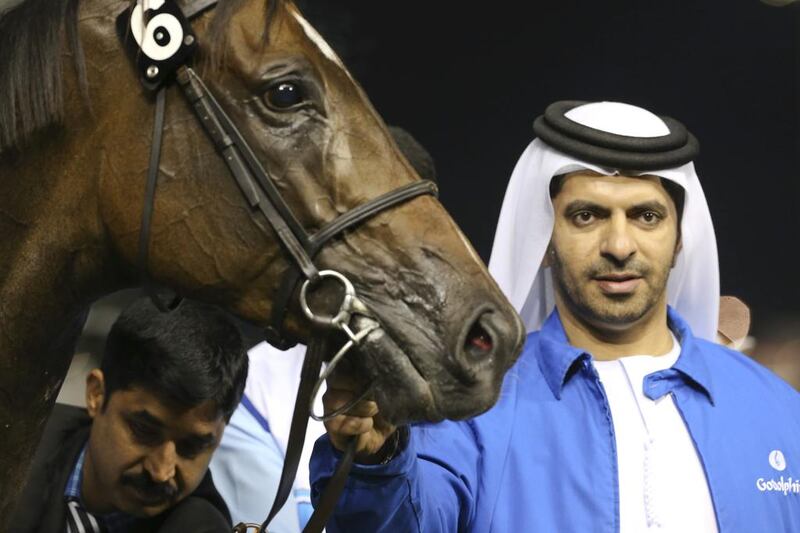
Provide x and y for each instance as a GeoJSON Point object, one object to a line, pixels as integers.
{"type": "Point", "coordinates": [467, 80]}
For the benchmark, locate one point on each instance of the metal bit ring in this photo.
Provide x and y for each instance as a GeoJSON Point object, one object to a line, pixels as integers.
{"type": "Point", "coordinates": [341, 318]}
{"type": "Point", "coordinates": [329, 370]}
{"type": "Point", "coordinates": [242, 527]}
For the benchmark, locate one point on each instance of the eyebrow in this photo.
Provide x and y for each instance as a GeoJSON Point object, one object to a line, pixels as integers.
{"type": "Point", "coordinates": [201, 439]}
{"type": "Point", "coordinates": [145, 416]}
{"type": "Point", "coordinates": [204, 440]}
{"type": "Point", "coordinates": [653, 205]}
{"type": "Point", "coordinates": [585, 205]}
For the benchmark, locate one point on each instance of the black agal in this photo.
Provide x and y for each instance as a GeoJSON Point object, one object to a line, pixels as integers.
{"type": "Point", "coordinates": [611, 150]}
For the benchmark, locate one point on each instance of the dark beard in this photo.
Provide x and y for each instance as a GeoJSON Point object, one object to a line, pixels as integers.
{"type": "Point", "coordinates": [609, 314]}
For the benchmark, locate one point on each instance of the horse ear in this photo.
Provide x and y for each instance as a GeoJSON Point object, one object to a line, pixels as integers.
{"type": "Point", "coordinates": [417, 155]}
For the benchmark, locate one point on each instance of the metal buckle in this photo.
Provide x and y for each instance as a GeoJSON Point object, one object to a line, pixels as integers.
{"type": "Point", "coordinates": [241, 527]}
{"type": "Point", "coordinates": [341, 321]}
{"type": "Point", "coordinates": [350, 303]}
{"type": "Point", "coordinates": [158, 41]}
{"type": "Point", "coordinates": [354, 341]}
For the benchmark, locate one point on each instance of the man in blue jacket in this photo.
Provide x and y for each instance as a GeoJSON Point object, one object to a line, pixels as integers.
{"type": "Point", "coordinates": [620, 415]}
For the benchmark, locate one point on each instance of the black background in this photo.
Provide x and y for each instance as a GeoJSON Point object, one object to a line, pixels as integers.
{"type": "Point", "coordinates": [467, 80]}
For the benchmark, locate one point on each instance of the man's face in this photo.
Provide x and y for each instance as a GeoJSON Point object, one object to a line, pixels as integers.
{"type": "Point", "coordinates": [144, 453]}
{"type": "Point", "coordinates": [613, 245]}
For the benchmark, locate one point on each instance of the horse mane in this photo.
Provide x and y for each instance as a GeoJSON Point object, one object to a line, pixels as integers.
{"type": "Point", "coordinates": [31, 62]}
{"type": "Point", "coordinates": [31, 84]}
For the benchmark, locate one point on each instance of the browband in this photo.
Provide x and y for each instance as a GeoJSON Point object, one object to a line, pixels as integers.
{"type": "Point", "coordinates": [611, 150]}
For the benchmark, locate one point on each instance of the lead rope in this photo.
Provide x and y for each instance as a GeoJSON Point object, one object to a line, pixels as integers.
{"type": "Point", "coordinates": [310, 382]}
{"type": "Point", "coordinates": [308, 378]}
{"type": "Point", "coordinates": [327, 503]}
{"type": "Point", "coordinates": [333, 490]}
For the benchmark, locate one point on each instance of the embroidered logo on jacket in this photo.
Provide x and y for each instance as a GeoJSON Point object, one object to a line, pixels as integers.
{"type": "Point", "coordinates": [785, 485]}
{"type": "Point", "coordinates": [777, 460]}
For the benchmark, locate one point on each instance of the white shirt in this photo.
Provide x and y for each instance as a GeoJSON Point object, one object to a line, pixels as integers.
{"type": "Point", "coordinates": [272, 383]}
{"type": "Point", "coordinates": [662, 484]}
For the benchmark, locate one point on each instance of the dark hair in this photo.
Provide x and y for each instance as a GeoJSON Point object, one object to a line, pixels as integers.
{"type": "Point", "coordinates": [188, 356]}
{"type": "Point", "coordinates": [678, 196]}
{"type": "Point", "coordinates": [674, 191]}
{"type": "Point", "coordinates": [556, 184]}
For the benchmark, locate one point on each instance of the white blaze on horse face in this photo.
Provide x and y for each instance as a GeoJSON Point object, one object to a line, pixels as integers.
{"type": "Point", "coordinates": [342, 143]}
{"type": "Point", "coordinates": [316, 38]}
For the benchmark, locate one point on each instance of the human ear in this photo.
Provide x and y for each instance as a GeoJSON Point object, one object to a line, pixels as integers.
{"type": "Point", "coordinates": [95, 392]}
{"type": "Point", "coordinates": [678, 248]}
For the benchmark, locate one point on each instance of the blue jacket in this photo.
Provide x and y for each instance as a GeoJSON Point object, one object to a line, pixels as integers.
{"type": "Point", "coordinates": [543, 459]}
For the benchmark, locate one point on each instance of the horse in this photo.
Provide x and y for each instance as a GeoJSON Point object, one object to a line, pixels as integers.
{"type": "Point", "coordinates": [76, 134]}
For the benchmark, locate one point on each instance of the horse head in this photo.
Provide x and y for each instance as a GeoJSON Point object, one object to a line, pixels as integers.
{"type": "Point", "coordinates": [448, 334]}
{"type": "Point", "coordinates": [74, 150]}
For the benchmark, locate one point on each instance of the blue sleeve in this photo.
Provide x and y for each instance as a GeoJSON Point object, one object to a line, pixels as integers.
{"type": "Point", "coordinates": [428, 486]}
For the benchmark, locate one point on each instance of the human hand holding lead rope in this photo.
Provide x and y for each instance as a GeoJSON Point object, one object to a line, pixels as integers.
{"type": "Point", "coordinates": [362, 421]}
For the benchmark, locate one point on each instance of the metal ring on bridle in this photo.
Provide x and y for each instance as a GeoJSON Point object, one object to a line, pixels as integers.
{"type": "Point", "coordinates": [354, 341]}
{"type": "Point", "coordinates": [243, 527]}
{"type": "Point", "coordinates": [343, 409]}
{"type": "Point", "coordinates": [339, 320]}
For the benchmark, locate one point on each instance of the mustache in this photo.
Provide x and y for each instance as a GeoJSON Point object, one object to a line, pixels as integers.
{"type": "Point", "coordinates": [144, 484]}
{"type": "Point", "coordinates": [605, 267]}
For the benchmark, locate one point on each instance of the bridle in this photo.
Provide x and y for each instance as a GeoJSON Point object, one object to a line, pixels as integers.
{"type": "Point", "coordinates": [161, 43]}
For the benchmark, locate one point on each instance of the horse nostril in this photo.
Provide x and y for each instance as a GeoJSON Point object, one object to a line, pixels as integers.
{"type": "Point", "coordinates": [478, 345]}
{"type": "Point", "coordinates": [479, 342]}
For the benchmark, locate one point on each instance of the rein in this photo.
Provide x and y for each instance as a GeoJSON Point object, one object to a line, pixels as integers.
{"type": "Point", "coordinates": [161, 43]}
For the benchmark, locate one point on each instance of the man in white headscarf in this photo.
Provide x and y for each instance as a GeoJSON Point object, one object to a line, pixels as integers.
{"type": "Point", "coordinates": [620, 414]}
{"type": "Point", "coordinates": [526, 218]}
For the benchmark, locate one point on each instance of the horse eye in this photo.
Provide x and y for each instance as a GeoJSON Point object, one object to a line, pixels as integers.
{"type": "Point", "coordinates": [284, 96]}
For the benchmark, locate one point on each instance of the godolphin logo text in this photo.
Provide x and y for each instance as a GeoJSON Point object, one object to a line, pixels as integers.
{"type": "Point", "coordinates": [785, 485]}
